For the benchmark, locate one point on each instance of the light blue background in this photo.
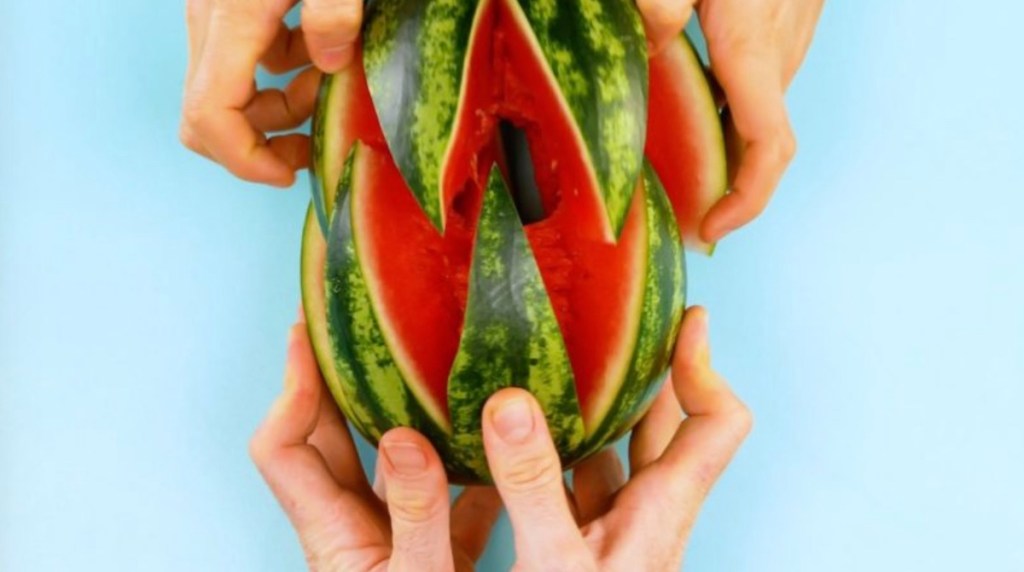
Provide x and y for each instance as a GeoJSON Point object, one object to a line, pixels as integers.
{"type": "Point", "coordinates": [873, 318]}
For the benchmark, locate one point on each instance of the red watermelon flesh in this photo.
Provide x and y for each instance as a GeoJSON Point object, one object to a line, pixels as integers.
{"type": "Point", "coordinates": [418, 279]}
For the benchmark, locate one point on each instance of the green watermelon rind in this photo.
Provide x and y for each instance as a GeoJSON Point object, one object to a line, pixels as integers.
{"type": "Point", "coordinates": [360, 350]}
{"type": "Point", "coordinates": [418, 111]}
{"type": "Point", "coordinates": [593, 51]}
{"type": "Point", "coordinates": [596, 53]}
{"type": "Point", "coordinates": [510, 337]}
{"type": "Point", "coordinates": [661, 312]}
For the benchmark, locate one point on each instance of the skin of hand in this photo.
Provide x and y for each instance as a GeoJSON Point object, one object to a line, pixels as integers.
{"type": "Point", "coordinates": [305, 452]}
{"type": "Point", "coordinates": [756, 48]}
{"type": "Point", "coordinates": [224, 116]}
{"type": "Point", "coordinates": [609, 523]}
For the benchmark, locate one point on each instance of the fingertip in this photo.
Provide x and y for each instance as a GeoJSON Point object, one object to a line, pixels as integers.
{"type": "Point", "coordinates": [332, 30]}
{"type": "Point", "coordinates": [335, 59]}
{"type": "Point", "coordinates": [282, 180]}
{"type": "Point", "coordinates": [292, 151]}
{"type": "Point", "coordinates": [263, 167]}
{"type": "Point", "coordinates": [511, 416]}
{"type": "Point", "coordinates": [693, 354]}
{"type": "Point", "coordinates": [695, 328]}
{"type": "Point", "coordinates": [663, 20]}
{"type": "Point", "coordinates": [301, 370]}
{"type": "Point", "coordinates": [720, 220]}
{"type": "Point", "coordinates": [414, 487]}
{"type": "Point", "coordinates": [403, 458]}
{"type": "Point", "coordinates": [404, 435]}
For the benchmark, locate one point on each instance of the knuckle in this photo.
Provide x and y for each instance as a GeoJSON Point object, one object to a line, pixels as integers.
{"type": "Point", "coordinates": [785, 145]}
{"type": "Point", "coordinates": [193, 114]}
{"type": "Point", "coordinates": [742, 421]}
{"type": "Point", "coordinates": [259, 449]}
{"type": "Point", "coordinates": [530, 474]}
{"type": "Point", "coordinates": [188, 138]}
{"type": "Point", "coordinates": [413, 506]}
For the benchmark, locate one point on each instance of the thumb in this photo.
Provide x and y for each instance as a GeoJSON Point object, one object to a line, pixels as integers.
{"type": "Point", "coordinates": [331, 29]}
{"type": "Point", "coordinates": [528, 475]}
{"type": "Point", "coordinates": [416, 492]}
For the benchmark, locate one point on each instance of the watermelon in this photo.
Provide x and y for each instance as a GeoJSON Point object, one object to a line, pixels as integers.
{"type": "Point", "coordinates": [685, 131]}
{"type": "Point", "coordinates": [428, 280]}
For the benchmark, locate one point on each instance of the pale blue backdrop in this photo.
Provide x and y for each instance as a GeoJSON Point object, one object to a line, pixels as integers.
{"type": "Point", "coordinates": [873, 318]}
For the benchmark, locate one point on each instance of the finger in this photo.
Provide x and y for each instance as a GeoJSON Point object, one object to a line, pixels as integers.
{"type": "Point", "coordinates": [192, 142]}
{"type": "Point", "coordinates": [528, 475]}
{"type": "Point", "coordinates": [334, 441]}
{"type": "Point", "coordinates": [754, 90]}
{"type": "Point", "coordinates": [287, 52]}
{"type": "Point", "coordinates": [197, 19]}
{"type": "Point", "coordinates": [379, 485]}
{"type": "Point", "coordinates": [197, 16]}
{"type": "Point", "coordinates": [222, 87]}
{"type": "Point", "coordinates": [417, 498]}
{"type": "Point", "coordinates": [806, 15]}
{"type": "Point", "coordinates": [292, 150]}
{"type": "Point", "coordinates": [294, 470]}
{"type": "Point", "coordinates": [570, 498]}
{"type": "Point", "coordinates": [332, 29]}
{"type": "Point", "coordinates": [278, 110]}
{"type": "Point", "coordinates": [664, 20]}
{"type": "Point", "coordinates": [717, 421]}
{"type": "Point", "coordinates": [654, 432]}
{"type": "Point", "coordinates": [595, 482]}
{"type": "Point", "coordinates": [473, 516]}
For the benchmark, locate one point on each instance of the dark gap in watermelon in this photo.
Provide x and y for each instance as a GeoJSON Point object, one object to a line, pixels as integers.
{"type": "Point", "coordinates": [593, 285]}
{"type": "Point", "coordinates": [519, 174]}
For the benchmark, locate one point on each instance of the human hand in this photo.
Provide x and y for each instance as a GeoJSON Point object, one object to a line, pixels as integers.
{"type": "Point", "coordinates": [305, 453]}
{"type": "Point", "coordinates": [756, 47]}
{"type": "Point", "coordinates": [611, 524]}
{"type": "Point", "coordinates": [224, 117]}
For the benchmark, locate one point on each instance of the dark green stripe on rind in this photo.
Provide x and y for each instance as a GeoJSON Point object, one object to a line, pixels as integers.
{"type": "Point", "coordinates": [597, 52]}
{"type": "Point", "coordinates": [415, 52]}
{"type": "Point", "coordinates": [374, 384]}
{"type": "Point", "coordinates": [661, 314]}
{"type": "Point", "coordinates": [313, 266]}
{"type": "Point", "coordinates": [510, 336]}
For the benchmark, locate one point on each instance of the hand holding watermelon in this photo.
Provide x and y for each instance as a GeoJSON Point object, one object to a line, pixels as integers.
{"type": "Point", "coordinates": [306, 454]}
{"type": "Point", "coordinates": [224, 117]}
{"type": "Point", "coordinates": [756, 49]}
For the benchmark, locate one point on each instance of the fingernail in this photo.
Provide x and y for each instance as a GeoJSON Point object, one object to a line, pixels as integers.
{"type": "Point", "coordinates": [703, 347]}
{"type": "Point", "coordinates": [702, 326]}
{"type": "Point", "coordinates": [514, 420]}
{"type": "Point", "coordinates": [406, 458]}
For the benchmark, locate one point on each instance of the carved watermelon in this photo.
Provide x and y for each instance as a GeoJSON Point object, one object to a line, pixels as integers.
{"type": "Point", "coordinates": [424, 290]}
